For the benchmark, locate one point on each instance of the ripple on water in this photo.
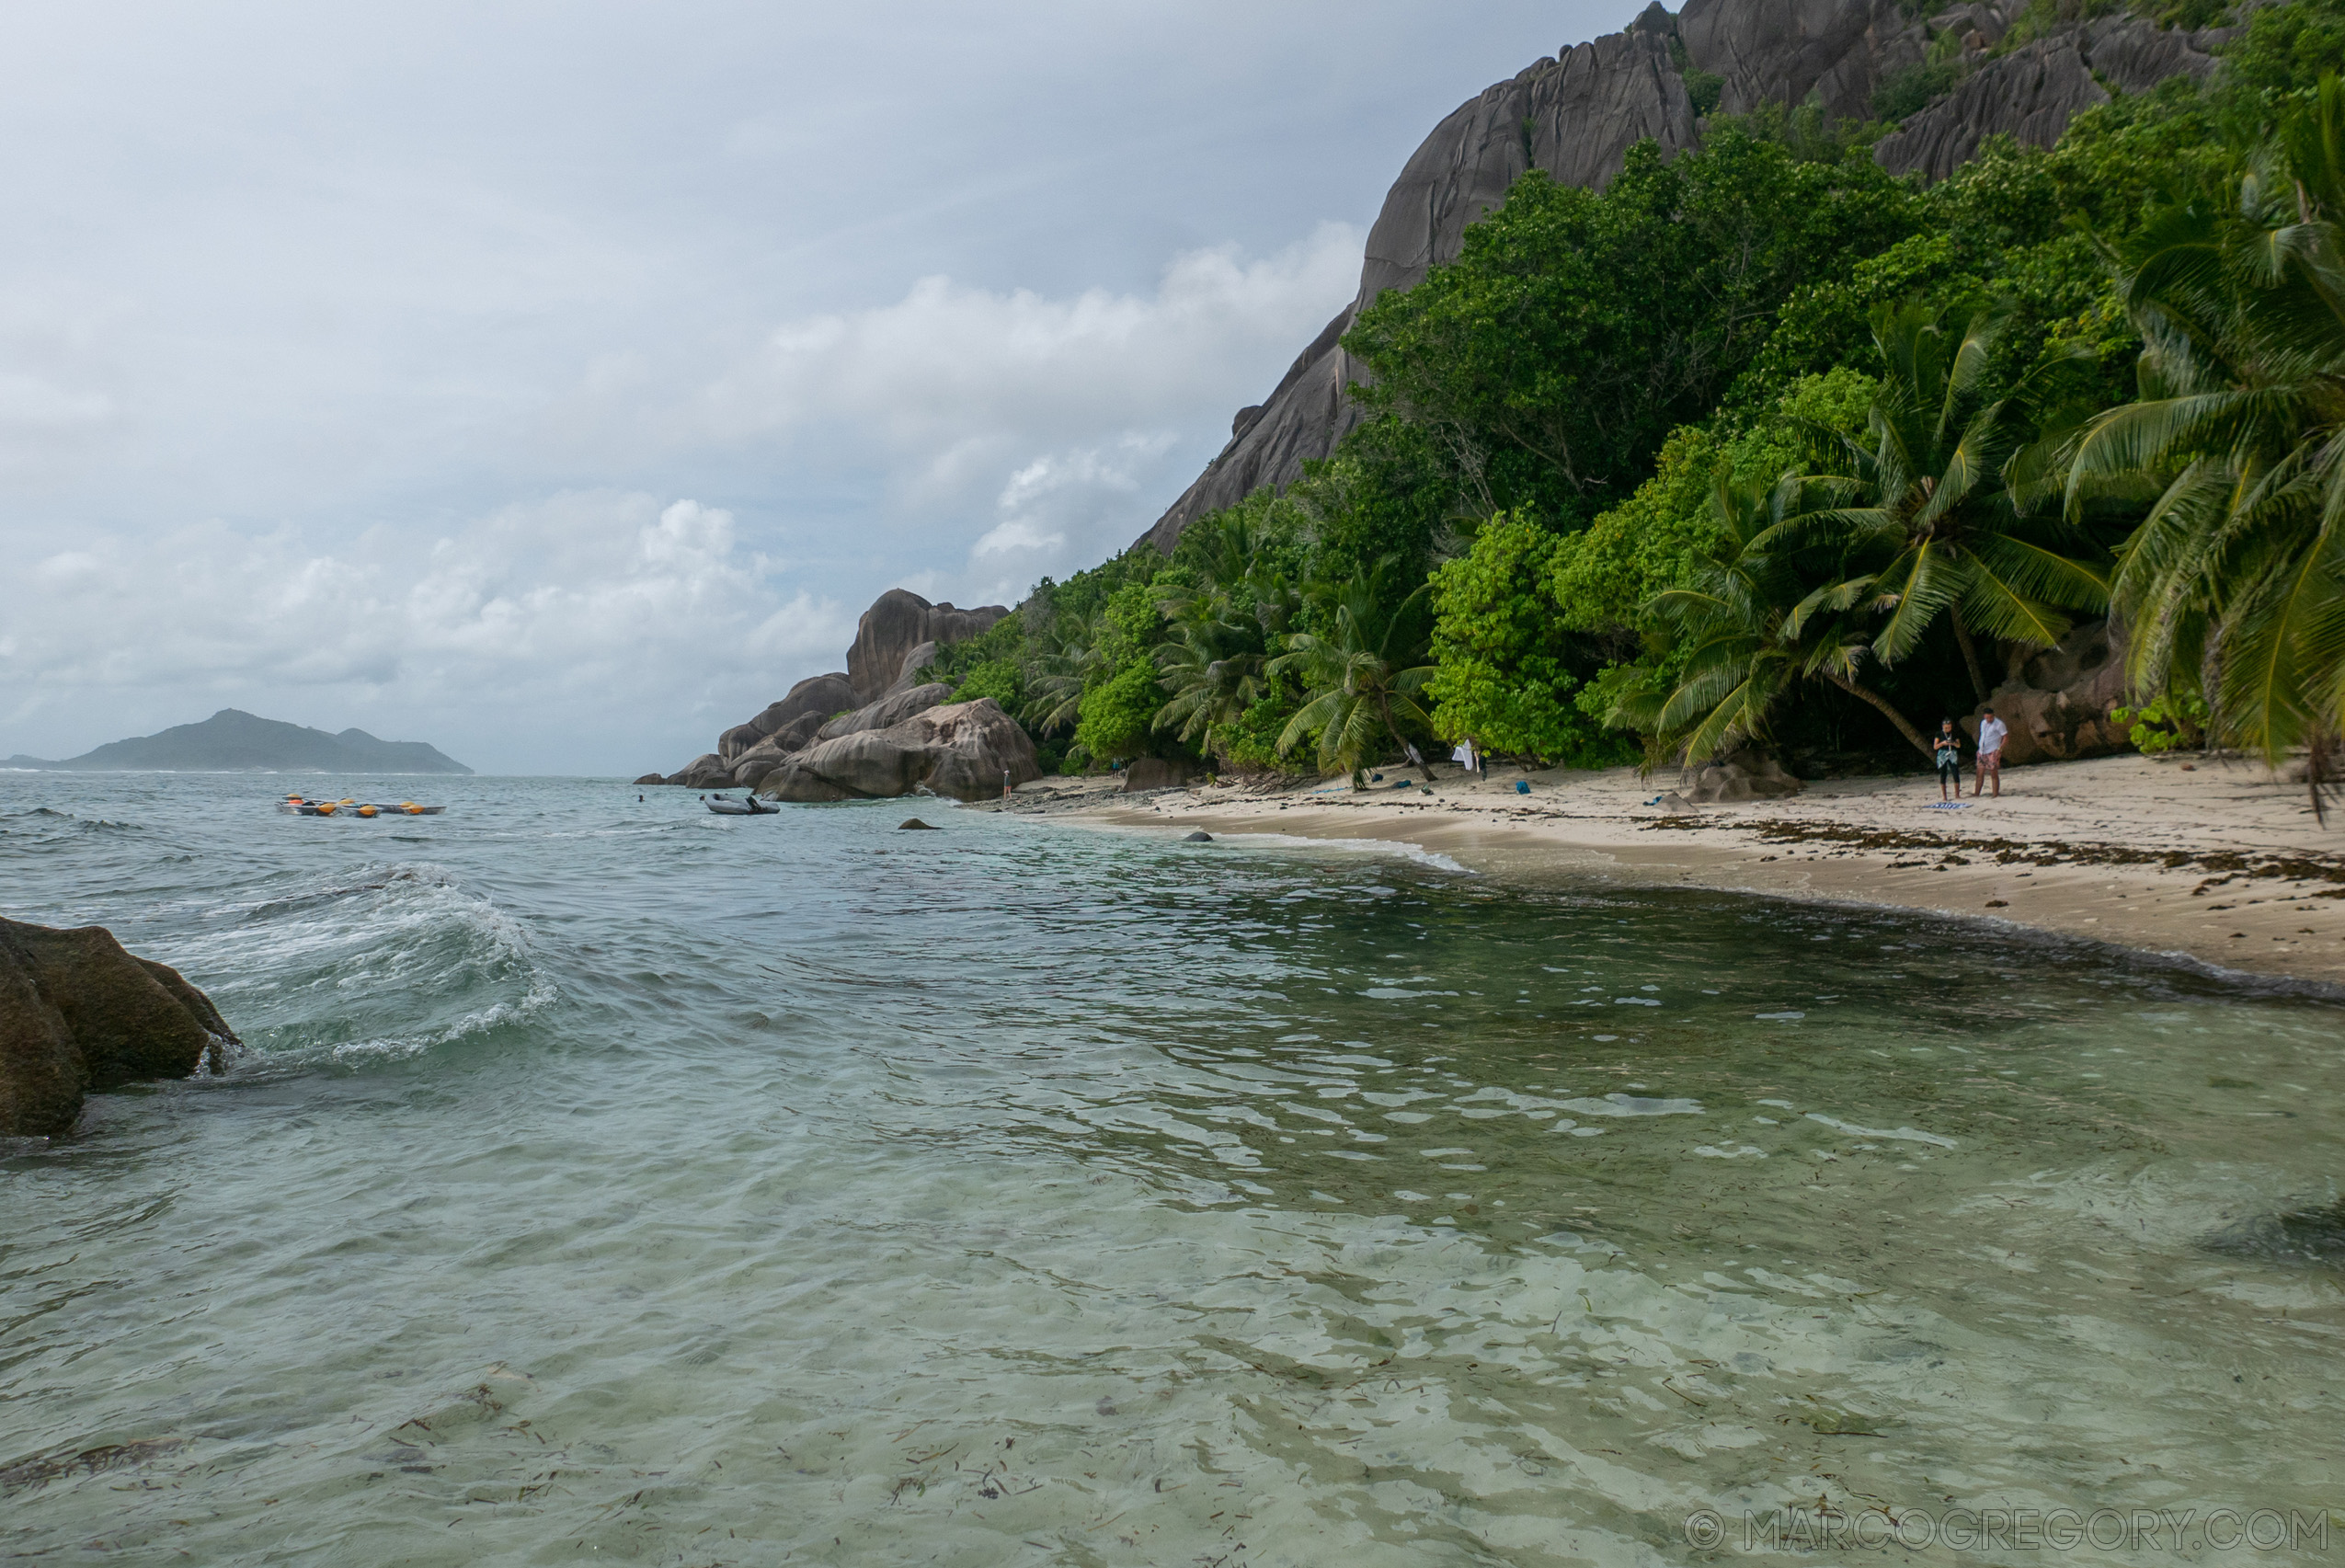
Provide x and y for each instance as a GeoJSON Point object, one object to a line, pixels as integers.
{"type": "Point", "coordinates": [610, 1179]}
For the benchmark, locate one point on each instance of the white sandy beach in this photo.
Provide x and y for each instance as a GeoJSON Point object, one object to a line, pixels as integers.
{"type": "Point", "coordinates": [2218, 861]}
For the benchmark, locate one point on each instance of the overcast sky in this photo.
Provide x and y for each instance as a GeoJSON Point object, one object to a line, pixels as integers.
{"type": "Point", "coordinates": [556, 382]}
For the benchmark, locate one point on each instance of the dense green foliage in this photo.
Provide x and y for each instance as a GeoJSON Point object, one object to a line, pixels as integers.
{"type": "Point", "coordinates": [1578, 327]}
{"type": "Point", "coordinates": [1761, 442]}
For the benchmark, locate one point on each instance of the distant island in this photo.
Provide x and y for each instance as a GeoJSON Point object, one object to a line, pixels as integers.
{"type": "Point", "coordinates": [233, 741]}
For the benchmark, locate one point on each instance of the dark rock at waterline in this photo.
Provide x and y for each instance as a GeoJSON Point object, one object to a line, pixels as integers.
{"type": "Point", "coordinates": [651, 779]}
{"type": "Point", "coordinates": [2303, 1235]}
{"type": "Point", "coordinates": [1198, 838]}
{"type": "Point", "coordinates": [913, 824]}
{"type": "Point", "coordinates": [80, 1015]}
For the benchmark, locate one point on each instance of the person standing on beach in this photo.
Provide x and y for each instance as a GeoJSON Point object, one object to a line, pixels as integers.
{"type": "Point", "coordinates": [1947, 748]}
{"type": "Point", "coordinates": [1990, 759]}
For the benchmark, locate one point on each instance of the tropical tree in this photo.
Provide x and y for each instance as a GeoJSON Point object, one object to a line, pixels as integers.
{"type": "Point", "coordinates": [1753, 627]}
{"type": "Point", "coordinates": [1223, 622]}
{"type": "Point", "coordinates": [1362, 679]}
{"type": "Point", "coordinates": [1920, 504]}
{"type": "Point", "coordinates": [1072, 656]}
{"type": "Point", "coordinates": [2233, 585]}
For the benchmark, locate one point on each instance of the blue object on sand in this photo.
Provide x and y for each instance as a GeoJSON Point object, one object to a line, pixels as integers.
{"type": "Point", "coordinates": [1522, 787]}
{"type": "Point", "coordinates": [1947, 806]}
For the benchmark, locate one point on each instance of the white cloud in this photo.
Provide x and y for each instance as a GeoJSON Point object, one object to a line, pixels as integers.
{"type": "Point", "coordinates": [1013, 536]}
{"type": "Point", "coordinates": [593, 610]}
{"type": "Point", "coordinates": [309, 401]}
{"type": "Point", "coordinates": [948, 365]}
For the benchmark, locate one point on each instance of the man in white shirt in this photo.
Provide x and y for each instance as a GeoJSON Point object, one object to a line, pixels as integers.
{"type": "Point", "coordinates": [1990, 757]}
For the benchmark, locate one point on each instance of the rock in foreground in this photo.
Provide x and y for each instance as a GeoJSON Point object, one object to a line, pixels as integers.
{"type": "Point", "coordinates": [80, 1015]}
{"type": "Point", "coordinates": [961, 750]}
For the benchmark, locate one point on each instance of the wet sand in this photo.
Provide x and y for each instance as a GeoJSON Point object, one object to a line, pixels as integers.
{"type": "Point", "coordinates": [2215, 861]}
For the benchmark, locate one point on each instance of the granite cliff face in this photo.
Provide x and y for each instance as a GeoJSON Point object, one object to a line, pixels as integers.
{"type": "Point", "coordinates": [1577, 114]}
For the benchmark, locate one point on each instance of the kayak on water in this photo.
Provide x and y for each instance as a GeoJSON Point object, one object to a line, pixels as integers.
{"type": "Point", "coordinates": [298, 807]}
{"type": "Point", "coordinates": [747, 805]}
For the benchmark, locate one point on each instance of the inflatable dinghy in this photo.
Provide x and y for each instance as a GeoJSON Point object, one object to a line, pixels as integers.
{"type": "Point", "coordinates": [747, 806]}
{"type": "Point", "coordinates": [364, 811]}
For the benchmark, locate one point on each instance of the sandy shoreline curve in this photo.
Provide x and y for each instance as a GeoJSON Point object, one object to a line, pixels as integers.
{"type": "Point", "coordinates": [2215, 861]}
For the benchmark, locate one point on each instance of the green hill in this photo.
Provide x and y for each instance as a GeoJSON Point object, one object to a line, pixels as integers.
{"type": "Point", "coordinates": [233, 741]}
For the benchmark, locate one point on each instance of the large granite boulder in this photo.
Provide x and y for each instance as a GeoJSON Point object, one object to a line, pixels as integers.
{"type": "Point", "coordinates": [707, 771]}
{"type": "Point", "coordinates": [80, 1015]}
{"type": "Point", "coordinates": [1144, 773]}
{"type": "Point", "coordinates": [816, 695]}
{"type": "Point", "coordinates": [898, 622]}
{"type": "Point", "coordinates": [962, 749]}
{"type": "Point", "coordinates": [1743, 775]}
{"type": "Point", "coordinates": [756, 764]}
{"type": "Point", "coordinates": [889, 711]}
{"type": "Point", "coordinates": [2056, 704]}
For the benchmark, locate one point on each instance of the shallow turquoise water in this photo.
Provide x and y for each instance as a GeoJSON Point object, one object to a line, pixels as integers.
{"type": "Point", "coordinates": [608, 1180]}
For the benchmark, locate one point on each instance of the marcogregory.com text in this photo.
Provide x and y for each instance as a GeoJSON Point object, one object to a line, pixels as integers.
{"type": "Point", "coordinates": [2291, 1530]}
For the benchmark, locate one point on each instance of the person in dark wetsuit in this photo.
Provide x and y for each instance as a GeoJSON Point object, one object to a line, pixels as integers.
{"type": "Point", "coordinates": [1947, 748]}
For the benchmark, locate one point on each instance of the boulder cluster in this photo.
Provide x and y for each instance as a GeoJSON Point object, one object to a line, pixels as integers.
{"type": "Point", "coordinates": [78, 1016]}
{"type": "Point", "coordinates": [877, 729]}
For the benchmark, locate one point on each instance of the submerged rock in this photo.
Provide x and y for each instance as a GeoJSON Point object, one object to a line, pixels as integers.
{"type": "Point", "coordinates": [913, 824]}
{"type": "Point", "coordinates": [2303, 1235]}
{"type": "Point", "coordinates": [967, 750]}
{"type": "Point", "coordinates": [1198, 838]}
{"type": "Point", "coordinates": [80, 1015]}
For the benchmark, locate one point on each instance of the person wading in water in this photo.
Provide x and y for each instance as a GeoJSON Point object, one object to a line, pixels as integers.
{"type": "Point", "coordinates": [1946, 749]}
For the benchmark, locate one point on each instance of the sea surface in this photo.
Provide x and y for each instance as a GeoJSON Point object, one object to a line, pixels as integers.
{"type": "Point", "coordinates": [602, 1180]}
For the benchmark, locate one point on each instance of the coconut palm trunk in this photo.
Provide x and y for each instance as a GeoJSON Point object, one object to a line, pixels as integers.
{"type": "Point", "coordinates": [1970, 653]}
{"type": "Point", "coordinates": [1866, 693]}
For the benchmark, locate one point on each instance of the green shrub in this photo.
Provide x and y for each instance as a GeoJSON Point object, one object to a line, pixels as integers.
{"type": "Point", "coordinates": [2174, 722]}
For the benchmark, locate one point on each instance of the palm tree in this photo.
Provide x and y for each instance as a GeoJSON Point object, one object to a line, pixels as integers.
{"type": "Point", "coordinates": [2233, 585]}
{"type": "Point", "coordinates": [1055, 681]}
{"type": "Point", "coordinates": [1921, 503]}
{"type": "Point", "coordinates": [1754, 628]}
{"type": "Point", "coordinates": [1361, 681]}
{"type": "Point", "coordinates": [1215, 659]}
